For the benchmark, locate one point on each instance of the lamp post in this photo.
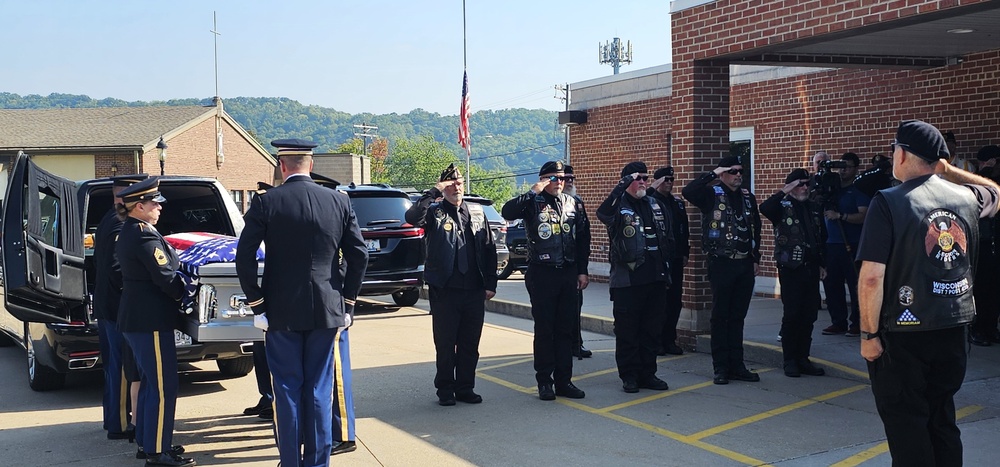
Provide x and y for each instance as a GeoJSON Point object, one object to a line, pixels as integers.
{"type": "Point", "coordinates": [162, 147]}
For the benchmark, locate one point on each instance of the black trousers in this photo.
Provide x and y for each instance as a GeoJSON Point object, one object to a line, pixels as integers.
{"type": "Point", "coordinates": [457, 318]}
{"type": "Point", "coordinates": [554, 308]}
{"type": "Point", "coordinates": [914, 383]}
{"type": "Point", "coordinates": [674, 303]}
{"type": "Point", "coordinates": [732, 287]}
{"type": "Point", "coordinates": [262, 372]}
{"type": "Point", "coordinates": [840, 273]}
{"type": "Point", "coordinates": [639, 312]}
{"type": "Point", "coordinates": [799, 293]}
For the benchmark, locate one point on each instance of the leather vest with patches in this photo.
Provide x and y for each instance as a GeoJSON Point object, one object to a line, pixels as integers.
{"type": "Point", "coordinates": [629, 244]}
{"type": "Point", "coordinates": [795, 242]}
{"type": "Point", "coordinates": [552, 233]}
{"type": "Point", "coordinates": [728, 230]}
{"type": "Point", "coordinates": [440, 262]}
{"type": "Point", "coordinates": [928, 283]}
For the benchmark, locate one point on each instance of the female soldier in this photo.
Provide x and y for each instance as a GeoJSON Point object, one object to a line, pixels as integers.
{"type": "Point", "coordinates": [151, 294]}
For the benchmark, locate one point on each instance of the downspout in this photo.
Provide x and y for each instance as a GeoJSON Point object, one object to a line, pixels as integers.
{"type": "Point", "coordinates": [135, 160]}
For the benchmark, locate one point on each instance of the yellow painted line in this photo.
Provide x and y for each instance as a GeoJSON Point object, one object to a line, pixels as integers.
{"type": "Point", "coordinates": [510, 363]}
{"type": "Point", "coordinates": [883, 447]}
{"type": "Point", "coordinates": [507, 384]}
{"type": "Point", "coordinates": [615, 369]}
{"type": "Point", "coordinates": [844, 368]}
{"type": "Point", "coordinates": [657, 396]}
{"type": "Point", "coordinates": [775, 412]}
{"type": "Point", "coordinates": [509, 329]}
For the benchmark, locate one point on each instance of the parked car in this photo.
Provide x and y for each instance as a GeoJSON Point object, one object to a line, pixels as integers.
{"type": "Point", "coordinates": [396, 249]}
{"type": "Point", "coordinates": [48, 273]}
{"type": "Point", "coordinates": [497, 225]}
{"type": "Point", "coordinates": [517, 244]}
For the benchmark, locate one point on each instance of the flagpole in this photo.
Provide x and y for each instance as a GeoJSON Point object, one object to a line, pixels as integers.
{"type": "Point", "coordinates": [465, 69]}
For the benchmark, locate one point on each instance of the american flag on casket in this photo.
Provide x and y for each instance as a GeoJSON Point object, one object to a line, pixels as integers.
{"type": "Point", "coordinates": [195, 249]}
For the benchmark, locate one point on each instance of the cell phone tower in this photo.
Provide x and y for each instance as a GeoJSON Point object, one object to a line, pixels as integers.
{"type": "Point", "coordinates": [615, 52]}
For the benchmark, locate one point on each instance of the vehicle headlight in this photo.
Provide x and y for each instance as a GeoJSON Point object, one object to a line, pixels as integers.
{"type": "Point", "coordinates": [207, 304]}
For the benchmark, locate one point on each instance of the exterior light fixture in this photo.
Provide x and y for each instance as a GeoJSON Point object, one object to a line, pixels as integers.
{"type": "Point", "coordinates": [162, 147]}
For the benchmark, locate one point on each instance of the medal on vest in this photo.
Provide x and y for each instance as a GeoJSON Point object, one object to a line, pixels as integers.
{"type": "Point", "coordinates": [544, 231]}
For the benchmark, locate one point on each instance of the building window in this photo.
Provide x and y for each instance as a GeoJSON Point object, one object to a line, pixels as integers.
{"type": "Point", "coordinates": [238, 199]}
{"type": "Point", "coordinates": [741, 144]}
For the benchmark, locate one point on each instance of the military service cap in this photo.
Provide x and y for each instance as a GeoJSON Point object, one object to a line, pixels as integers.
{"type": "Point", "coordinates": [451, 173]}
{"type": "Point", "coordinates": [146, 190]}
{"type": "Point", "coordinates": [294, 147]}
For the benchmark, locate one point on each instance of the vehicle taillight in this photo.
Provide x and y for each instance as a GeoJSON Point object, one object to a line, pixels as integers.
{"type": "Point", "coordinates": [406, 230]}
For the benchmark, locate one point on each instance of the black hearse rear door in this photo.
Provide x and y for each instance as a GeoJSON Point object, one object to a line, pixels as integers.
{"type": "Point", "coordinates": [43, 257]}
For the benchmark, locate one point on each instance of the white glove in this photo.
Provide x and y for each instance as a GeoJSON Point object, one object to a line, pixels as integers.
{"type": "Point", "coordinates": [260, 321]}
{"type": "Point", "coordinates": [348, 320]}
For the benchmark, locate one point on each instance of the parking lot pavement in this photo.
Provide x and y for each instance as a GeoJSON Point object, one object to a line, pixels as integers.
{"type": "Point", "coordinates": [779, 421]}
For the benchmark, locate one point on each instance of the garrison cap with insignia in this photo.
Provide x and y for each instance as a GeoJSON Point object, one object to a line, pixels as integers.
{"type": "Point", "coordinates": [294, 147]}
{"type": "Point", "coordinates": [451, 173]}
{"type": "Point", "coordinates": [127, 180]}
{"type": "Point", "coordinates": [146, 190]}
{"type": "Point", "coordinates": [552, 167]}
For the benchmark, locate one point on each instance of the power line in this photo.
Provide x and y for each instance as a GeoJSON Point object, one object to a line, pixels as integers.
{"type": "Point", "coordinates": [518, 151]}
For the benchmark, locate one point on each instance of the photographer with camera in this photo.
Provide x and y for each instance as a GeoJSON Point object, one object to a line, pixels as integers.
{"type": "Point", "coordinates": [844, 208]}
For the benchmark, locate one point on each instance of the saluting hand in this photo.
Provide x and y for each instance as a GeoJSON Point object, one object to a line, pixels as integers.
{"type": "Point", "coordinates": [657, 182]}
{"type": "Point", "coordinates": [540, 186]}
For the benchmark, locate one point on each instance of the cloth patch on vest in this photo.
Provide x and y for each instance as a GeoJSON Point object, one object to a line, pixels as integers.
{"type": "Point", "coordinates": [905, 295]}
{"type": "Point", "coordinates": [544, 231]}
{"type": "Point", "coordinates": [159, 256]}
{"type": "Point", "coordinates": [950, 289]}
{"type": "Point", "coordinates": [907, 319]}
{"type": "Point", "coordinates": [946, 240]}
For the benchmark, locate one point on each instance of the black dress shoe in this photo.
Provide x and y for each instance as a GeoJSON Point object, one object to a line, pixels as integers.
{"type": "Point", "coordinates": [792, 369]}
{"type": "Point", "coordinates": [744, 375]}
{"type": "Point", "coordinates": [654, 383]}
{"type": "Point", "coordinates": [721, 378]}
{"type": "Point", "coordinates": [630, 386]}
{"type": "Point", "coordinates": [546, 393]}
{"type": "Point", "coordinates": [672, 349]}
{"type": "Point", "coordinates": [570, 391]}
{"type": "Point", "coordinates": [343, 446]}
{"type": "Point", "coordinates": [175, 449]}
{"type": "Point", "coordinates": [582, 352]}
{"type": "Point", "coordinates": [266, 414]}
{"type": "Point", "coordinates": [807, 368]}
{"type": "Point", "coordinates": [974, 337]}
{"type": "Point", "coordinates": [261, 405]}
{"type": "Point", "coordinates": [468, 397]}
{"type": "Point", "coordinates": [446, 399]}
{"type": "Point", "coordinates": [169, 458]}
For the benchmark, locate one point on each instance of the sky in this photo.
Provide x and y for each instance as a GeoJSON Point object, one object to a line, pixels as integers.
{"type": "Point", "coordinates": [377, 56]}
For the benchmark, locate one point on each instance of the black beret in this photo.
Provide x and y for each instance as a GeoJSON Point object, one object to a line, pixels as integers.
{"type": "Point", "coordinates": [127, 180]}
{"type": "Point", "coordinates": [988, 152]}
{"type": "Point", "coordinates": [552, 167]}
{"type": "Point", "coordinates": [294, 147]}
{"type": "Point", "coordinates": [797, 174]}
{"type": "Point", "coordinates": [146, 190]}
{"type": "Point", "coordinates": [634, 167]}
{"type": "Point", "coordinates": [663, 172]}
{"type": "Point", "coordinates": [568, 169]}
{"type": "Point", "coordinates": [922, 139]}
{"type": "Point", "coordinates": [451, 173]}
{"type": "Point", "coordinates": [730, 161]}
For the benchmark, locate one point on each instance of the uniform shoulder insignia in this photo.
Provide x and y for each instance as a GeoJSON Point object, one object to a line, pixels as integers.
{"type": "Point", "coordinates": [159, 256]}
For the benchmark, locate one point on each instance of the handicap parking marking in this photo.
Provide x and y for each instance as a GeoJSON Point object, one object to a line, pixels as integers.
{"type": "Point", "coordinates": [883, 447]}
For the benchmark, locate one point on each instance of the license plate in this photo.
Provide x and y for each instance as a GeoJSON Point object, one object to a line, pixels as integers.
{"type": "Point", "coordinates": [373, 244]}
{"type": "Point", "coordinates": [181, 339]}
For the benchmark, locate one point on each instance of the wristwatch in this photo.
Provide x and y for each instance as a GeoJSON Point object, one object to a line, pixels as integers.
{"type": "Point", "coordinates": [869, 335]}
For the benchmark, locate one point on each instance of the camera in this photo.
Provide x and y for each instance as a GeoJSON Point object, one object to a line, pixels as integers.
{"type": "Point", "coordinates": [826, 183]}
{"type": "Point", "coordinates": [832, 164]}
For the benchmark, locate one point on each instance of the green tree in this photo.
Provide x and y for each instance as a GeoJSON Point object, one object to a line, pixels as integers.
{"type": "Point", "coordinates": [417, 163]}
{"type": "Point", "coordinates": [354, 146]}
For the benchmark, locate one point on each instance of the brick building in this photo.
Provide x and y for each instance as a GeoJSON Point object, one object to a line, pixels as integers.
{"type": "Point", "coordinates": [85, 143]}
{"type": "Point", "coordinates": [784, 79]}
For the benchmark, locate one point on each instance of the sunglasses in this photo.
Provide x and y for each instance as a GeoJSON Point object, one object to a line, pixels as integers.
{"type": "Point", "coordinates": [803, 183]}
{"type": "Point", "coordinates": [564, 178]}
{"type": "Point", "coordinates": [642, 178]}
{"type": "Point", "coordinates": [668, 179]}
{"type": "Point", "coordinates": [734, 171]}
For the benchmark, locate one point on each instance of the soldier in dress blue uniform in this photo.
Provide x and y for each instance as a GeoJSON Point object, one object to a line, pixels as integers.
{"type": "Point", "coordinates": [107, 297]}
{"type": "Point", "coordinates": [305, 299]}
{"type": "Point", "coordinates": [461, 272]}
{"type": "Point", "coordinates": [557, 268]}
{"type": "Point", "coordinates": [151, 299]}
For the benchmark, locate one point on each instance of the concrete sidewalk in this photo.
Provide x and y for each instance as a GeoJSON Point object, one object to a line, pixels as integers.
{"type": "Point", "coordinates": [839, 355]}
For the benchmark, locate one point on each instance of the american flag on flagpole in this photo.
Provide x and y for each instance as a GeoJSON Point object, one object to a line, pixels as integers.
{"type": "Point", "coordinates": [463, 116]}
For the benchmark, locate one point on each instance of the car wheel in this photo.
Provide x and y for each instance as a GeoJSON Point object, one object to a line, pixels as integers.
{"type": "Point", "coordinates": [507, 270]}
{"type": "Point", "coordinates": [239, 366]}
{"type": "Point", "coordinates": [40, 377]}
{"type": "Point", "coordinates": [406, 297]}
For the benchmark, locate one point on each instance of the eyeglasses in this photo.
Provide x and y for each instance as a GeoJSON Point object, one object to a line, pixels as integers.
{"type": "Point", "coordinates": [734, 171]}
{"type": "Point", "coordinates": [668, 179]}
{"type": "Point", "coordinates": [564, 178]}
{"type": "Point", "coordinates": [642, 178]}
{"type": "Point", "coordinates": [803, 183]}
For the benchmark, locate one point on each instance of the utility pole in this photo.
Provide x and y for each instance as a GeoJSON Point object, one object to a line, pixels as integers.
{"type": "Point", "coordinates": [367, 132]}
{"type": "Point", "coordinates": [615, 53]}
{"type": "Point", "coordinates": [562, 93]}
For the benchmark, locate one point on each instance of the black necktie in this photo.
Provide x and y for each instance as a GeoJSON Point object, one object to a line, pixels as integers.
{"type": "Point", "coordinates": [460, 249]}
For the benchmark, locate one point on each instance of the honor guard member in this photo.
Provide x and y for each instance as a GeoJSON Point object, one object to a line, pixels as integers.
{"type": "Point", "coordinates": [661, 188]}
{"type": "Point", "coordinates": [641, 246]}
{"type": "Point", "coordinates": [107, 298]}
{"type": "Point", "coordinates": [461, 272]}
{"type": "Point", "coordinates": [917, 253]}
{"type": "Point", "coordinates": [264, 408]}
{"type": "Point", "coordinates": [343, 381]}
{"type": "Point", "coordinates": [557, 269]}
{"type": "Point", "coordinates": [579, 351]}
{"type": "Point", "coordinates": [730, 237]}
{"type": "Point", "coordinates": [152, 290]}
{"type": "Point", "coordinates": [799, 235]}
{"type": "Point", "coordinates": [303, 297]}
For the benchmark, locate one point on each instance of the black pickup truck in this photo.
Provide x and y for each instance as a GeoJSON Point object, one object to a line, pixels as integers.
{"type": "Point", "coordinates": [48, 273]}
{"type": "Point", "coordinates": [517, 244]}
